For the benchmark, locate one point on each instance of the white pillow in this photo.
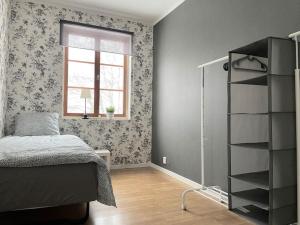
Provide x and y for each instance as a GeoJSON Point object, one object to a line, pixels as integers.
{"type": "Point", "coordinates": [37, 124]}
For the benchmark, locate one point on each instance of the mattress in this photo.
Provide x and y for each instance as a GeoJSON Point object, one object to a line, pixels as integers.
{"type": "Point", "coordinates": [46, 171]}
{"type": "Point", "coordinates": [34, 187]}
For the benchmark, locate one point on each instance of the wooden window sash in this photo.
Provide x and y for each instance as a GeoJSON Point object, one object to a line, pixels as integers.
{"type": "Point", "coordinates": [97, 83]}
{"type": "Point", "coordinates": [108, 89]}
{"type": "Point", "coordinates": [78, 87]}
{"type": "Point", "coordinates": [96, 88]}
{"type": "Point", "coordinates": [79, 61]}
{"type": "Point", "coordinates": [65, 105]}
{"type": "Point", "coordinates": [125, 87]}
{"type": "Point", "coordinates": [124, 90]}
{"type": "Point", "coordinates": [111, 65]}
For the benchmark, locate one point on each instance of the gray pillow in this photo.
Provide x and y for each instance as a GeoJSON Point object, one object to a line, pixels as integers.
{"type": "Point", "coordinates": [37, 124]}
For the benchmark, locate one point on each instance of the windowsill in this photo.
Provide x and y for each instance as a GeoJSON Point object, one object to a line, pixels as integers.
{"type": "Point", "coordinates": [97, 118]}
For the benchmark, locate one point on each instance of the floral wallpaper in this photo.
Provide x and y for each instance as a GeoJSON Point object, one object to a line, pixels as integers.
{"type": "Point", "coordinates": [35, 80]}
{"type": "Point", "coordinates": [4, 17]}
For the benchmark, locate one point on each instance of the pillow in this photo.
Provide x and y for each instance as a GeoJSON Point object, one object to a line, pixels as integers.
{"type": "Point", "coordinates": [37, 124]}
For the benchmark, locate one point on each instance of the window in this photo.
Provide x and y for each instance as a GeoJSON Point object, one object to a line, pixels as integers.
{"type": "Point", "coordinates": [96, 60]}
{"type": "Point", "coordinates": [104, 74]}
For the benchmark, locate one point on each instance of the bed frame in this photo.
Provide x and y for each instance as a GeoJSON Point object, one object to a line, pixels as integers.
{"type": "Point", "coordinates": [71, 221]}
{"type": "Point", "coordinates": [79, 221]}
{"type": "Point", "coordinates": [29, 197]}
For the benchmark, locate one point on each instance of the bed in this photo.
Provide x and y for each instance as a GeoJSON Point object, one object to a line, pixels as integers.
{"type": "Point", "coordinates": [49, 171]}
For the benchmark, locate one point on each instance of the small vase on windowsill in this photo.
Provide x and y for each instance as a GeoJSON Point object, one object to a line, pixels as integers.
{"type": "Point", "coordinates": [110, 116]}
{"type": "Point", "coordinates": [110, 112]}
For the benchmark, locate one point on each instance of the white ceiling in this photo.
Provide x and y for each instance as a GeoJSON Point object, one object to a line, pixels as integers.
{"type": "Point", "coordinates": [150, 11]}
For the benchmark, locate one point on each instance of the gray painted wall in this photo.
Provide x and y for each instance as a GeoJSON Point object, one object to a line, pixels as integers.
{"type": "Point", "coordinates": [196, 32]}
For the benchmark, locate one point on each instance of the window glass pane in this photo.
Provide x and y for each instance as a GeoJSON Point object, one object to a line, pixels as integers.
{"type": "Point", "coordinates": [111, 98]}
{"type": "Point", "coordinates": [81, 55]}
{"type": "Point", "coordinates": [112, 77]}
{"type": "Point", "coordinates": [111, 58]}
{"type": "Point", "coordinates": [76, 104]}
{"type": "Point", "coordinates": [81, 74]}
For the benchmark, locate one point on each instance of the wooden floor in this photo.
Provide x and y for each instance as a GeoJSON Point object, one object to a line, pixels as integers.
{"type": "Point", "coordinates": [149, 197]}
{"type": "Point", "coordinates": [146, 196]}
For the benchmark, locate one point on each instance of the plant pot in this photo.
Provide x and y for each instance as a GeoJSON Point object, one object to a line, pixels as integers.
{"type": "Point", "coordinates": [110, 115]}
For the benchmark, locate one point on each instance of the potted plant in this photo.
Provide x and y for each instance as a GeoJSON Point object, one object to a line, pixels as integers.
{"type": "Point", "coordinates": [110, 112]}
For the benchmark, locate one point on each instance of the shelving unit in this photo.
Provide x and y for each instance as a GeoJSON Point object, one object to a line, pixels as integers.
{"type": "Point", "coordinates": [261, 145]}
{"type": "Point", "coordinates": [257, 197]}
{"type": "Point", "coordinates": [262, 80]}
{"type": "Point", "coordinates": [261, 133]}
{"type": "Point", "coordinates": [258, 179]}
{"type": "Point", "coordinates": [253, 213]}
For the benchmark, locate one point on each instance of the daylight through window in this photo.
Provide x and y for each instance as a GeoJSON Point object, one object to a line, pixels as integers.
{"type": "Point", "coordinates": [98, 61]}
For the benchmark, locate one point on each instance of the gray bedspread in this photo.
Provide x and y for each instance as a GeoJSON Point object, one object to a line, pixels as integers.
{"type": "Point", "coordinates": [37, 151]}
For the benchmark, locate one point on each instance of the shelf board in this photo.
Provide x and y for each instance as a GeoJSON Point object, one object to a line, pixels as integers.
{"type": "Point", "coordinates": [264, 146]}
{"type": "Point", "coordinates": [258, 179]}
{"type": "Point", "coordinates": [261, 80]}
{"type": "Point", "coordinates": [264, 113]}
{"type": "Point", "coordinates": [260, 145]}
{"type": "Point", "coordinates": [257, 197]}
{"type": "Point", "coordinates": [254, 214]}
{"type": "Point", "coordinates": [258, 48]}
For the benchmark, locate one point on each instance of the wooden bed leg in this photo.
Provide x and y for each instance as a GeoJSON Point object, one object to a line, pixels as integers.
{"type": "Point", "coordinates": [83, 220]}
{"type": "Point", "coordinates": [87, 213]}
{"type": "Point", "coordinates": [80, 221]}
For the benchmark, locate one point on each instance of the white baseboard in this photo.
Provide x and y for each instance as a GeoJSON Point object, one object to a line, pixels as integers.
{"type": "Point", "coordinates": [208, 193]}
{"type": "Point", "coordinates": [185, 180]}
{"type": "Point", "coordinates": [129, 166]}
